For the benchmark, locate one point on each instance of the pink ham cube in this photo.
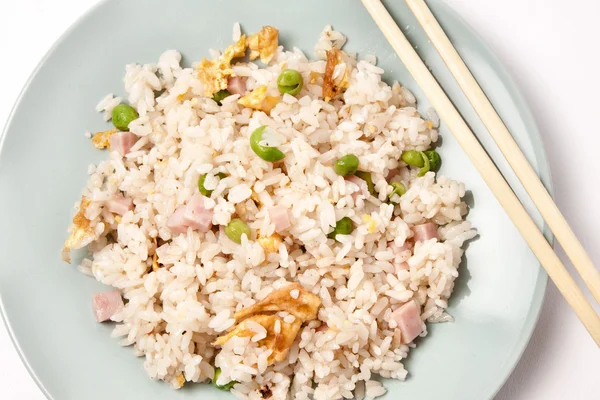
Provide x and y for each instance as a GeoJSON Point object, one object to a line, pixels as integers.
{"type": "Point", "coordinates": [280, 217]}
{"type": "Point", "coordinates": [122, 142]}
{"type": "Point", "coordinates": [425, 232]}
{"type": "Point", "coordinates": [177, 222]}
{"type": "Point", "coordinates": [107, 304]}
{"type": "Point", "coordinates": [196, 216]}
{"type": "Point", "coordinates": [236, 85]}
{"type": "Point", "coordinates": [192, 215]}
{"type": "Point", "coordinates": [408, 320]}
{"type": "Point", "coordinates": [119, 205]}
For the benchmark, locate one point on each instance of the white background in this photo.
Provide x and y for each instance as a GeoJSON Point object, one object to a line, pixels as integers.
{"type": "Point", "coordinates": [550, 46]}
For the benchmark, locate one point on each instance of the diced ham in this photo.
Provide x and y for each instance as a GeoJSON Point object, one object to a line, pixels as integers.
{"type": "Point", "coordinates": [280, 217]}
{"type": "Point", "coordinates": [192, 215]}
{"type": "Point", "coordinates": [236, 85]}
{"type": "Point", "coordinates": [176, 222]}
{"type": "Point", "coordinates": [408, 320]}
{"type": "Point", "coordinates": [196, 216]}
{"type": "Point", "coordinates": [362, 185]}
{"type": "Point", "coordinates": [398, 250]}
{"type": "Point", "coordinates": [107, 304]}
{"type": "Point", "coordinates": [122, 142]}
{"type": "Point", "coordinates": [401, 254]}
{"type": "Point", "coordinates": [119, 205]}
{"type": "Point", "coordinates": [402, 266]}
{"type": "Point", "coordinates": [392, 173]}
{"type": "Point", "coordinates": [425, 231]}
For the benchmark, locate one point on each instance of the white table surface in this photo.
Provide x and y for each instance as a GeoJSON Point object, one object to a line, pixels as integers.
{"type": "Point", "coordinates": [550, 46]}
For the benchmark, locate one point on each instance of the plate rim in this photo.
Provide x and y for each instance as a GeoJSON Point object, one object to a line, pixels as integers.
{"type": "Point", "coordinates": [543, 170]}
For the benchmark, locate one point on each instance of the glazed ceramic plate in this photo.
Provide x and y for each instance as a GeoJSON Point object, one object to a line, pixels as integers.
{"type": "Point", "coordinates": [46, 303]}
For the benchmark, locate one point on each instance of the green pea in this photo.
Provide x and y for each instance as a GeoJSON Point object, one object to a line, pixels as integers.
{"type": "Point", "coordinates": [122, 115]}
{"type": "Point", "coordinates": [412, 158]}
{"type": "Point", "coordinates": [201, 187]}
{"type": "Point", "coordinates": [220, 96]}
{"type": "Point", "coordinates": [366, 176]}
{"type": "Point", "coordinates": [227, 386]}
{"type": "Point", "coordinates": [235, 229]}
{"type": "Point", "coordinates": [346, 165]}
{"type": "Point", "coordinates": [434, 159]}
{"type": "Point", "coordinates": [426, 164]}
{"type": "Point", "coordinates": [397, 189]}
{"type": "Point", "coordinates": [344, 226]}
{"type": "Point", "coordinates": [271, 154]}
{"type": "Point", "coordinates": [290, 81]}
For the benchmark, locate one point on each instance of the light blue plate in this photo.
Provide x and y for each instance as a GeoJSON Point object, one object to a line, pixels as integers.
{"type": "Point", "coordinates": [47, 304]}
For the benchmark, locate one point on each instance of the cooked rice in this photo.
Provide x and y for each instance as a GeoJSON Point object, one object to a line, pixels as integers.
{"type": "Point", "coordinates": [174, 313]}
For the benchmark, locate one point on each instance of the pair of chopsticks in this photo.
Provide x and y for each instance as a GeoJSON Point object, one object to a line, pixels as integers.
{"type": "Point", "coordinates": [492, 176]}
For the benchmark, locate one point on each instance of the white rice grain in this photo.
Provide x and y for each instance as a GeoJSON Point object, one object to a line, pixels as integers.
{"type": "Point", "coordinates": [237, 32]}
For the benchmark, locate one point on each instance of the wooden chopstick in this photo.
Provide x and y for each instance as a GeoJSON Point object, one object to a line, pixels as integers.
{"type": "Point", "coordinates": [494, 179]}
{"type": "Point", "coordinates": [534, 186]}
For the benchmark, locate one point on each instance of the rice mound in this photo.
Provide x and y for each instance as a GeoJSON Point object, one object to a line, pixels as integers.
{"type": "Point", "coordinates": [174, 313]}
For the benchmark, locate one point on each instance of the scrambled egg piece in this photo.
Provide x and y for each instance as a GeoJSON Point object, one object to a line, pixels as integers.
{"type": "Point", "coordinates": [155, 264]}
{"type": "Point", "coordinates": [429, 124]}
{"type": "Point", "coordinates": [370, 222]}
{"type": "Point", "coordinates": [313, 77]}
{"type": "Point", "coordinates": [337, 74]}
{"type": "Point", "coordinates": [214, 73]}
{"type": "Point", "coordinates": [181, 97]}
{"type": "Point", "coordinates": [258, 100]}
{"type": "Point", "coordinates": [180, 380]}
{"type": "Point", "coordinates": [82, 233]}
{"type": "Point", "coordinates": [264, 44]}
{"type": "Point", "coordinates": [255, 198]}
{"type": "Point", "coordinates": [270, 244]}
{"type": "Point", "coordinates": [280, 335]}
{"type": "Point", "coordinates": [280, 342]}
{"type": "Point", "coordinates": [305, 307]}
{"type": "Point", "coordinates": [101, 140]}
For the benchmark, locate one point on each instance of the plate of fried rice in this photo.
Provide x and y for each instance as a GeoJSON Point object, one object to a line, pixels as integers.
{"type": "Point", "coordinates": [254, 200]}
